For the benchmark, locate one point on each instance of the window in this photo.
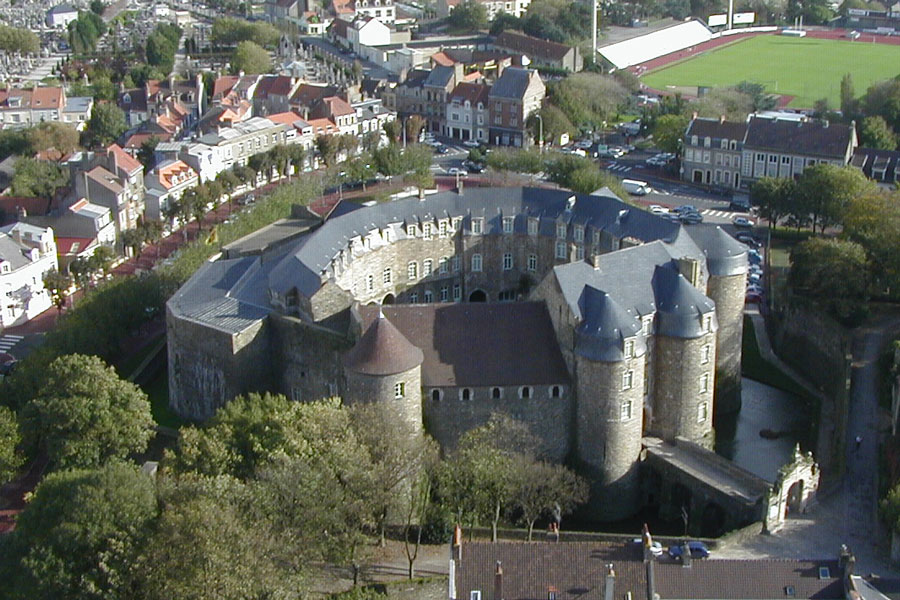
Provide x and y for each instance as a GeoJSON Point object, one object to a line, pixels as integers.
{"type": "Point", "coordinates": [476, 262]}
{"type": "Point", "coordinates": [646, 324]}
{"type": "Point", "coordinates": [707, 142]}
{"type": "Point", "coordinates": [532, 262]}
{"type": "Point", "coordinates": [442, 229]}
{"type": "Point", "coordinates": [386, 276]}
{"type": "Point", "coordinates": [693, 140]}
{"type": "Point", "coordinates": [561, 230]}
{"type": "Point", "coordinates": [412, 270]}
{"type": "Point", "coordinates": [426, 231]}
{"type": "Point", "coordinates": [411, 230]}
{"type": "Point", "coordinates": [427, 267]}
{"type": "Point", "coordinates": [507, 224]}
{"type": "Point", "coordinates": [629, 348]}
{"type": "Point", "coordinates": [707, 323]}
{"type": "Point", "coordinates": [625, 413]}
{"type": "Point", "coordinates": [457, 221]}
{"type": "Point", "coordinates": [760, 156]}
{"type": "Point", "coordinates": [507, 262]}
{"type": "Point", "coordinates": [465, 394]}
{"type": "Point", "coordinates": [525, 392]}
{"type": "Point", "coordinates": [445, 293]}
{"type": "Point", "coordinates": [399, 390]}
{"type": "Point", "coordinates": [579, 234]}
{"type": "Point", "coordinates": [457, 292]}
{"type": "Point", "coordinates": [702, 412]}
{"type": "Point", "coordinates": [532, 226]}
{"type": "Point", "coordinates": [723, 144]}
{"type": "Point", "coordinates": [477, 225]}
{"type": "Point", "coordinates": [436, 395]}
{"type": "Point", "coordinates": [579, 252]}
{"type": "Point", "coordinates": [705, 354]}
{"type": "Point", "coordinates": [704, 383]}
{"type": "Point", "coordinates": [429, 296]}
{"type": "Point", "coordinates": [628, 379]}
{"type": "Point", "coordinates": [560, 250]}
{"type": "Point", "coordinates": [773, 158]}
{"type": "Point", "coordinates": [475, 595]}
{"type": "Point", "coordinates": [496, 393]}
{"type": "Point", "coordinates": [555, 391]}
{"type": "Point", "coordinates": [454, 262]}
{"type": "Point", "coordinates": [414, 297]}
{"type": "Point", "coordinates": [370, 282]}
{"type": "Point", "coordinates": [785, 160]}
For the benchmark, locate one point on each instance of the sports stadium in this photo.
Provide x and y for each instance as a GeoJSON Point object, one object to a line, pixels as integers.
{"type": "Point", "coordinates": [801, 66]}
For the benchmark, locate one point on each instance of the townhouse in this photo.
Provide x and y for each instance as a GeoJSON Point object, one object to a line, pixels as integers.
{"type": "Point", "coordinates": [514, 97]}
{"type": "Point", "coordinates": [166, 183]}
{"type": "Point", "coordinates": [467, 112]}
{"type": "Point", "coordinates": [27, 253]}
{"type": "Point", "coordinates": [21, 108]}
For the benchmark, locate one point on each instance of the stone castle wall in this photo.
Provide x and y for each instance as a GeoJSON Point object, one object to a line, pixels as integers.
{"type": "Point", "coordinates": [368, 388]}
{"type": "Point", "coordinates": [728, 294]}
{"type": "Point", "coordinates": [548, 418]}
{"type": "Point", "coordinates": [609, 436]}
{"type": "Point", "coordinates": [678, 393]}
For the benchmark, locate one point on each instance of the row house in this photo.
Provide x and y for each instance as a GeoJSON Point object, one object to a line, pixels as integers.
{"type": "Point", "coordinates": [517, 8]}
{"type": "Point", "coordinates": [20, 108]}
{"type": "Point", "coordinates": [371, 115]}
{"type": "Point", "coordinates": [205, 160]}
{"type": "Point", "coordinates": [166, 183]}
{"type": "Point", "coordinates": [882, 166]}
{"type": "Point", "coordinates": [27, 254]}
{"type": "Point", "coordinates": [436, 88]}
{"type": "Point", "coordinates": [339, 112]}
{"type": "Point", "coordinates": [383, 10]}
{"type": "Point", "coordinates": [238, 143]}
{"type": "Point", "coordinates": [79, 230]}
{"type": "Point", "coordinates": [113, 179]}
{"type": "Point", "coordinates": [157, 97]}
{"type": "Point", "coordinates": [515, 96]}
{"type": "Point", "coordinates": [736, 154]}
{"type": "Point", "coordinates": [467, 112]}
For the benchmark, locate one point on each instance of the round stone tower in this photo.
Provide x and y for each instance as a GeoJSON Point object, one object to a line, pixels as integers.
{"type": "Point", "coordinates": [726, 260]}
{"type": "Point", "coordinates": [609, 367]}
{"type": "Point", "coordinates": [685, 352]}
{"type": "Point", "coordinates": [384, 366]}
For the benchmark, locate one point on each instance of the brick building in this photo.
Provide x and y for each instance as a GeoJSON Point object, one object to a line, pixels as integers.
{"type": "Point", "coordinates": [515, 96]}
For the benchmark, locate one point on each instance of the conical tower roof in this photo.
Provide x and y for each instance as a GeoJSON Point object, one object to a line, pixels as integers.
{"type": "Point", "coordinates": [606, 324]}
{"type": "Point", "coordinates": [725, 255]}
{"type": "Point", "coordinates": [382, 350]}
{"type": "Point", "coordinates": [680, 305]}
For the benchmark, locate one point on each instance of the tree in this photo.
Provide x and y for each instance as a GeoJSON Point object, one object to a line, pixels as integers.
{"type": "Point", "coordinates": [555, 123]}
{"type": "Point", "coordinates": [848, 97]}
{"type": "Point", "coordinates": [890, 509]}
{"type": "Point", "coordinates": [52, 135]}
{"type": "Point", "coordinates": [393, 130]}
{"type": "Point", "coordinates": [97, 7]}
{"type": "Point", "coordinates": [19, 39]}
{"type": "Point", "coordinates": [873, 220]}
{"type": "Point", "coordinates": [775, 197]}
{"type": "Point", "coordinates": [327, 146]}
{"type": "Point", "coordinates": [106, 124]}
{"type": "Point", "coordinates": [58, 285]}
{"type": "Point", "coordinates": [542, 487]}
{"type": "Point", "coordinates": [389, 160]}
{"type": "Point", "coordinates": [230, 31]}
{"type": "Point", "coordinates": [414, 126]}
{"type": "Point", "coordinates": [250, 58]}
{"type": "Point", "coordinates": [84, 414]}
{"type": "Point", "coordinates": [503, 21]}
{"type": "Point", "coordinates": [134, 239]}
{"type": "Point", "coordinates": [39, 178]}
{"type": "Point", "coordinates": [146, 152]}
{"type": "Point", "coordinates": [101, 260]}
{"type": "Point", "coordinates": [153, 232]}
{"type": "Point", "coordinates": [468, 16]}
{"type": "Point", "coordinates": [883, 99]}
{"type": "Point", "coordinates": [10, 457]}
{"type": "Point", "coordinates": [875, 133]}
{"type": "Point", "coordinates": [668, 132]}
{"type": "Point", "coordinates": [826, 190]}
{"type": "Point", "coordinates": [80, 534]}
{"type": "Point", "coordinates": [834, 273]}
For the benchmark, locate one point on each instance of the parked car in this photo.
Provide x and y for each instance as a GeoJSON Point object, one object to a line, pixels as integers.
{"type": "Point", "coordinates": [442, 149]}
{"type": "Point", "coordinates": [697, 549]}
{"type": "Point", "coordinates": [747, 238]}
{"type": "Point", "coordinates": [471, 144]}
{"type": "Point", "coordinates": [473, 167]}
{"type": "Point", "coordinates": [457, 171]}
{"type": "Point", "coordinates": [691, 218]}
{"type": "Point", "coordinates": [656, 209]}
{"type": "Point", "coordinates": [685, 208]}
{"type": "Point", "coordinates": [742, 222]}
{"type": "Point", "coordinates": [656, 548]}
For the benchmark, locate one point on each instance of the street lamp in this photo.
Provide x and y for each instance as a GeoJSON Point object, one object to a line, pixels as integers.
{"type": "Point", "coordinates": [541, 132]}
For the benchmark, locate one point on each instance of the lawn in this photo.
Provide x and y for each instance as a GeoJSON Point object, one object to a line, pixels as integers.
{"type": "Point", "coordinates": [808, 69]}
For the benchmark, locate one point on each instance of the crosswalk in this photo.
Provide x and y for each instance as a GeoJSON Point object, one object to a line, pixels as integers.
{"type": "Point", "coordinates": [619, 168]}
{"type": "Point", "coordinates": [723, 214]}
{"type": "Point", "coordinates": [8, 341]}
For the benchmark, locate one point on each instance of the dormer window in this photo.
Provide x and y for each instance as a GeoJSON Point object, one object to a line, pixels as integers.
{"type": "Point", "coordinates": [561, 230]}
{"type": "Point", "coordinates": [694, 141]}
{"type": "Point", "coordinates": [707, 142]}
{"type": "Point", "coordinates": [629, 348]}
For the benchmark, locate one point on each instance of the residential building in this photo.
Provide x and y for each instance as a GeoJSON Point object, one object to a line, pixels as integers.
{"type": "Point", "coordinates": [712, 152]}
{"type": "Point", "coordinates": [165, 184]}
{"type": "Point", "coordinates": [515, 96]}
{"type": "Point", "coordinates": [436, 88]}
{"type": "Point", "coordinates": [205, 160]}
{"type": "Point", "coordinates": [283, 10]}
{"type": "Point", "coordinates": [467, 112]}
{"type": "Point", "coordinates": [27, 253]}
{"type": "Point", "coordinates": [162, 98]}
{"type": "Point", "coordinates": [383, 10]}
{"type": "Point", "coordinates": [238, 143]}
{"type": "Point", "coordinates": [273, 93]}
{"type": "Point", "coordinates": [361, 31]}
{"type": "Point", "coordinates": [312, 23]}
{"type": "Point", "coordinates": [540, 53]}
{"type": "Point", "coordinates": [882, 166]}
{"type": "Point", "coordinates": [61, 15]}
{"type": "Point", "coordinates": [517, 8]}
{"type": "Point", "coordinates": [338, 111]}
{"type": "Point", "coordinates": [77, 111]}
{"type": "Point", "coordinates": [21, 108]}
{"type": "Point", "coordinates": [308, 95]}
{"type": "Point", "coordinates": [407, 97]}
{"type": "Point", "coordinates": [371, 115]}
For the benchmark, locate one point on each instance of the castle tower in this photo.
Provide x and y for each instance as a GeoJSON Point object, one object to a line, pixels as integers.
{"type": "Point", "coordinates": [384, 366]}
{"type": "Point", "coordinates": [685, 346]}
{"type": "Point", "coordinates": [609, 364]}
{"type": "Point", "coordinates": [727, 263]}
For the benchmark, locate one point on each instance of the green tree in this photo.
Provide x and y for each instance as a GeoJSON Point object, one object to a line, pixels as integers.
{"type": "Point", "coordinates": [826, 191]}
{"type": "Point", "coordinates": [230, 31]}
{"type": "Point", "coordinates": [875, 133]}
{"type": "Point", "coordinates": [873, 220]}
{"type": "Point", "coordinates": [833, 273]}
{"type": "Point", "coordinates": [503, 21]}
{"type": "Point", "coordinates": [883, 99]}
{"type": "Point", "coordinates": [328, 146]}
{"type": "Point", "coordinates": [84, 414]}
{"type": "Point", "coordinates": [414, 126]}
{"type": "Point", "coordinates": [250, 58]}
{"type": "Point", "coordinates": [774, 197]}
{"type": "Point", "coordinates": [106, 124]}
{"type": "Point", "coordinates": [58, 285]}
{"type": "Point", "coordinates": [848, 96]}
{"type": "Point", "coordinates": [468, 16]}
{"type": "Point", "coordinates": [101, 260]}
{"type": "Point", "coordinates": [19, 39]}
{"type": "Point", "coordinates": [393, 130]}
{"type": "Point", "coordinates": [890, 509]}
{"type": "Point", "coordinates": [38, 178]}
{"type": "Point", "coordinates": [80, 534]}
{"type": "Point", "coordinates": [97, 7]}
{"type": "Point", "coordinates": [668, 132]}
{"type": "Point", "coordinates": [389, 159]}
{"type": "Point", "coordinates": [541, 488]}
{"type": "Point", "coordinates": [52, 135]}
{"type": "Point", "coordinates": [555, 123]}
{"type": "Point", "coordinates": [10, 457]}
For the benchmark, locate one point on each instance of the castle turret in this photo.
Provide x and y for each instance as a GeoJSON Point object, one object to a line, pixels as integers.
{"type": "Point", "coordinates": [385, 366]}
{"type": "Point", "coordinates": [726, 259]}
{"type": "Point", "coordinates": [686, 345]}
{"type": "Point", "coordinates": [609, 361]}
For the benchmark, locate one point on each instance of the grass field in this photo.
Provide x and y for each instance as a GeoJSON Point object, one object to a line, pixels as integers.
{"type": "Point", "coordinates": [808, 69]}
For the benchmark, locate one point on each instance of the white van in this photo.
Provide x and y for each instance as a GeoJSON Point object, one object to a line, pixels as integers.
{"type": "Point", "coordinates": [635, 187]}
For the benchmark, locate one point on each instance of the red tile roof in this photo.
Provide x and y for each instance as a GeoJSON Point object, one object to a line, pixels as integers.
{"type": "Point", "coordinates": [124, 160]}
{"type": "Point", "coordinates": [223, 85]}
{"type": "Point", "coordinates": [72, 245]}
{"type": "Point", "coordinates": [174, 173]}
{"type": "Point", "coordinates": [287, 118]}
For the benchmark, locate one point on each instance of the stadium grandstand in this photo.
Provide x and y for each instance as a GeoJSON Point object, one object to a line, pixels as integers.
{"type": "Point", "coordinates": [655, 44]}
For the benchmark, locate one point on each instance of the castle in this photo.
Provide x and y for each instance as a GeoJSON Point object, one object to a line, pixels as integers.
{"type": "Point", "coordinates": [592, 321]}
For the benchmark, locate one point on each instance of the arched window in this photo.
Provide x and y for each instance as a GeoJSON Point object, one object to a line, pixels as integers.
{"type": "Point", "coordinates": [525, 392]}
{"type": "Point", "coordinates": [555, 391]}
{"type": "Point", "coordinates": [436, 395]}
{"type": "Point", "coordinates": [465, 394]}
{"type": "Point", "coordinates": [496, 393]}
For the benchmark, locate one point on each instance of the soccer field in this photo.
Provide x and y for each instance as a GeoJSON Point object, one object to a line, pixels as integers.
{"type": "Point", "coordinates": [806, 68]}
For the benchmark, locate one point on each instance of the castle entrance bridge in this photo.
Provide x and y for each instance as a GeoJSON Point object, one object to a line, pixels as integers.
{"type": "Point", "coordinates": [682, 478]}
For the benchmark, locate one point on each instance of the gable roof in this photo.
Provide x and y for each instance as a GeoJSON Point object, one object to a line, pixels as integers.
{"type": "Point", "coordinates": [440, 76]}
{"type": "Point", "coordinates": [512, 83]}
{"type": "Point", "coordinates": [106, 179]}
{"type": "Point", "coordinates": [274, 85]}
{"type": "Point", "coordinates": [532, 46]}
{"type": "Point", "coordinates": [473, 92]}
{"type": "Point", "coordinates": [815, 138]}
{"type": "Point", "coordinates": [521, 349]}
{"type": "Point", "coordinates": [717, 129]}
{"type": "Point", "coordinates": [124, 160]}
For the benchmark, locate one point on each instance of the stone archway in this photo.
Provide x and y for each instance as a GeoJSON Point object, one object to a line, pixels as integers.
{"type": "Point", "coordinates": [389, 299]}
{"type": "Point", "coordinates": [794, 489]}
{"type": "Point", "coordinates": [478, 296]}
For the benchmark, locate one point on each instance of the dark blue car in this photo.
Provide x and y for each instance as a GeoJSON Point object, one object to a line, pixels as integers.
{"type": "Point", "coordinates": [698, 550]}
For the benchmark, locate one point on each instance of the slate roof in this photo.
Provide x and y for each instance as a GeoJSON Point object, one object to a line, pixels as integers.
{"type": "Point", "coordinates": [680, 305]}
{"type": "Point", "coordinates": [106, 179]}
{"type": "Point", "coordinates": [532, 46]}
{"type": "Point", "coordinates": [382, 350]}
{"type": "Point", "coordinates": [60, 9]}
{"type": "Point", "coordinates": [812, 138]}
{"type": "Point", "coordinates": [715, 129]}
{"type": "Point", "coordinates": [13, 252]}
{"type": "Point", "coordinates": [880, 165]}
{"type": "Point", "coordinates": [512, 83]}
{"type": "Point", "coordinates": [439, 76]}
{"type": "Point", "coordinates": [473, 92]}
{"type": "Point", "coordinates": [520, 350]}
{"type": "Point", "coordinates": [601, 335]}
{"type": "Point", "coordinates": [725, 255]}
{"type": "Point", "coordinates": [303, 267]}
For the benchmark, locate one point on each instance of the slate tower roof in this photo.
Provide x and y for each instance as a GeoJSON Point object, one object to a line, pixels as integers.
{"type": "Point", "coordinates": [382, 350]}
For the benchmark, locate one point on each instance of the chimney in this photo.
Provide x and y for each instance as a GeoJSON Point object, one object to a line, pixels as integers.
{"type": "Point", "coordinates": [21, 213]}
{"type": "Point", "coordinates": [686, 556]}
{"type": "Point", "coordinates": [610, 592]}
{"type": "Point", "coordinates": [595, 261]}
{"type": "Point", "coordinates": [17, 235]}
{"type": "Point", "coordinates": [721, 119]}
{"type": "Point", "coordinates": [498, 582]}
{"type": "Point", "coordinates": [457, 542]}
